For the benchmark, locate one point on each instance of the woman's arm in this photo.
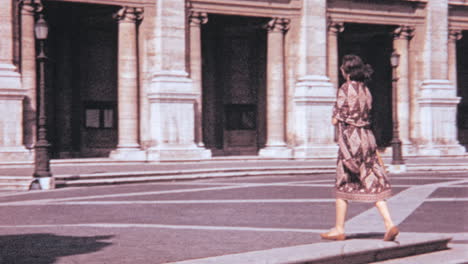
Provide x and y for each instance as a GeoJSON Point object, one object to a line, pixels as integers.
{"type": "Point", "coordinates": [341, 108]}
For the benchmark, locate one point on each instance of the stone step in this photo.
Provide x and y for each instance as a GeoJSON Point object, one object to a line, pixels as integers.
{"type": "Point", "coordinates": [15, 183]}
{"type": "Point", "coordinates": [141, 177]}
{"type": "Point", "coordinates": [349, 252]}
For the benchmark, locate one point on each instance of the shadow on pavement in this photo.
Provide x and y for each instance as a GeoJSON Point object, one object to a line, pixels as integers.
{"type": "Point", "coordinates": [365, 236]}
{"type": "Point", "coordinates": [46, 248]}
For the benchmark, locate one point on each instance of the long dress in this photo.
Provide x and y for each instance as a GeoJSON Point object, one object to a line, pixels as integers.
{"type": "Point", "coordinates": [359, 175]}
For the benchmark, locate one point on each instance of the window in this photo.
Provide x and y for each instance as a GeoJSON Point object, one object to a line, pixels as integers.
{"type": "Point", "coordinates": [100, 115]}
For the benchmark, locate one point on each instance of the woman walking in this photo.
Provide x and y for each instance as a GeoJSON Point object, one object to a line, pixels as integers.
{"type": "Point", "coordinates": [360, 173]}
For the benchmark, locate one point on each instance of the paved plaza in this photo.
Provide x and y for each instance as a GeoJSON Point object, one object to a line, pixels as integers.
{"type": "Point", "coordinates": [176, 221]}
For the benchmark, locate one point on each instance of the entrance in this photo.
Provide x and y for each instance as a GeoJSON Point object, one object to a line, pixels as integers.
{"type": "Point", "coordinates": [374, 44]}
{"type": "Point", "coordinates": [462, 90]}
{"type": "Point", "coordinates": [82, 79]}
{"type": "Point", "coordinates": [234, 84]}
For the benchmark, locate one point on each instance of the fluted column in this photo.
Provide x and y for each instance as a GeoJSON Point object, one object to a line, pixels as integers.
{"type": "Point", "coordinates": [28, 68]}
{"type": "Point", "coordinates": [438, 98]}
{"type": "Point", "coordinates": [276, 131]}
{"type": "Point", "coordinates": [334, 28]}
{"type": "Point", "coordinates": [454, 36]}
{"type": "Point", "coordinates": [314, 94]}
{"type": "Point", "coordinates": [196, 20]}
{"type": "Point", "coordinates": [401, 41]}
{"type": "Point", "coordinates": [128, 118]}
{"type": "Point", "coordinates": [11, 93]}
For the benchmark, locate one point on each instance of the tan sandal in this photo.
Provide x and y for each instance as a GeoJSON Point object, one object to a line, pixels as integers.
{"type": "Point", "coordinates": [327, 236]}
{"type": "Point", "coordinates": [391, 234]}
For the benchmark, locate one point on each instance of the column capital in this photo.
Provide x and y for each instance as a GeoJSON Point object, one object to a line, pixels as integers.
{"type": "Point", "coordinates": [278, 25]}
{"type": "Point", "coordinates": [455, 34]}
{"type": "Point", "coordinates": [129, 14]}
{"type": "Point", "coordinates": [197, 18]}
{"type": "Point", "coordinates": [335, 27]}
{"type": "Point", "coordinates": [403, 32]}
{"type": "Point", "coordinates": [30, 7]}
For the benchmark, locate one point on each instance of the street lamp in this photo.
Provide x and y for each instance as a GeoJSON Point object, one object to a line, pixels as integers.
{"type": "Point", "coordinates": [396, 142]}
{"type": "Point", "coordinates": [42, 160]}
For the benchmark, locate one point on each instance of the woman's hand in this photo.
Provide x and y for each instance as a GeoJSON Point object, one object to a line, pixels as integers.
{"type": "Point", "coordinates": [334, 121]}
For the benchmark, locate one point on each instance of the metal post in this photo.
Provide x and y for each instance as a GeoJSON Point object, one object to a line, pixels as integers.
{"type": "Point", "coordinates": [396, 142]}
{"type": "Point", "coordinates": [42, 171]}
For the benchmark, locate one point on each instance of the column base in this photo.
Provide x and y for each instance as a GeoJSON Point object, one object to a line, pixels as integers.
{"type": "Point", "coordinates": [134, 154]}
{"type": "Point", "coordinates": [441, 150]}
{"type": "Point", "coordinates": [45, 183]}
{"type": "Point", "coordinates": [276, 152]}
{"type": "Point", "coordinates": [316, 151]}
{"type": "Point", "coordinates": [15, 154]}
{"type": "Point", "coordinates": [313, 105]}
{"type": "Point", "coordinates": [170, 153]}
{"type": "Point", "coordinates": [396, 168]}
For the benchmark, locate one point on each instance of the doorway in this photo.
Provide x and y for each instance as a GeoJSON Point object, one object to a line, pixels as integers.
{"type": "Point", "coordinates": [462, 90]}
{"type": "Point", "coordinates": [374, 44]}
{"type": "Point", "coordinates": [82, 79]}
{"type": "Point", "coordinates": [234, 84]}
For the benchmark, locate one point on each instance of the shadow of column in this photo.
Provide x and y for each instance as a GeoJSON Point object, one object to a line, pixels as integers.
{"type": "Point", "coordinates": [29, 123]}
{"type": "Point", "coordinates": [46, 248]}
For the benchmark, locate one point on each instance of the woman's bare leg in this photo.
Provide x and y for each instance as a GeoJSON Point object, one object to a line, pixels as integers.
{"type": "Point", "coordinates": [385, 213]}
{"type": "Point", "coordinates": [337, 233]}
{"type": "Point", "coordinates": [341, 210]}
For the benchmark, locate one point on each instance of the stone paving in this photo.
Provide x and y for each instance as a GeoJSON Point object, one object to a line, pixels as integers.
{"type": "Point", "coordinates": [176, 221]}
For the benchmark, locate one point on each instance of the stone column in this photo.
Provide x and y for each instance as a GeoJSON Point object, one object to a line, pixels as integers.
{"type": "Point", "coordinates": [196, 20]}
{"type": "Point", "coordinates": [314, 94]}
{"type": "Point", "coordinates": [454, 36]}
{"type": "Point", "coordinates": [172, 96]}
{"type": "Point", "coordinates": [401, 38]}
{"type": "Point", "coordinates": [334, 28]}
{"type": "Point", "coordinates": [276, 131]}
{"type": "Point", "coordinates": [11, 93]}
{"type": "Point", "coordinates": [438, 96]}
{"type": "Point", "coordinates": [128, 146]}
{"type": "Point", "coordinates": [28, 68]}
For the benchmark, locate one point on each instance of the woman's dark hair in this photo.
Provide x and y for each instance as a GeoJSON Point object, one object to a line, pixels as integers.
{"type": "Point", "coordinates": [355, 67]}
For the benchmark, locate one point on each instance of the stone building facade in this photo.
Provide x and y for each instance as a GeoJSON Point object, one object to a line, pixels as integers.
{"type": "Point", "coordinates": [193, 79]}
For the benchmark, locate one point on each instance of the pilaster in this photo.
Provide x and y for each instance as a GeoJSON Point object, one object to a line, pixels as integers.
{"type": "Point", "coordinates": [172, 96]}
{"type": "Point", "coordinates": [28, 68]}
{"type": "Point", "coordinates": [196, 20]}
{"type": "Point", "coordinates": [276, 133]}
{"type": "Point", "coordinates": [314, 94]}
{"type": "Point", "coordinates": [438, 97]}
{"type": "Point", "coordinates": [128, 147]}
{"type": "Point", "coordinates": [11, 94]}
{"type": "Point", "coordinates": [334, 28]}
{"type": "Point", "coordinates": [401, 41]}
{"type": "Point", "coordinates": [454, 36]}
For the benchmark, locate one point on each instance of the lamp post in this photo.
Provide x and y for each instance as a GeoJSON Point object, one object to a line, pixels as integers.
{"type": "Point", "coordinates": [396, 142]}
{"type": "Point", "coordinates": [42, 160]}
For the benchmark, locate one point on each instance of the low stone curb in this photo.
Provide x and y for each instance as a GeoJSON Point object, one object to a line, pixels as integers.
{"type": "Point", "coordinates": [340, 252]}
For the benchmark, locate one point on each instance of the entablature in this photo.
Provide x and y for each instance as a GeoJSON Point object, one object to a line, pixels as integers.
{"type": "Point", "coordinates": [259, 8]}
{"type": "Point", "coordinates": [458, 17]}
{"type": "Point", "coordinates": [407, 12]}
{"type": "Point", "coordinates": [458, 2]}
{"type": "Point", "coordinates": [134, 3]}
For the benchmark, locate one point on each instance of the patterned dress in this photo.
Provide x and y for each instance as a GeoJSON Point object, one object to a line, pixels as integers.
{"type": "Point", "coordinates": [359, 175]}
